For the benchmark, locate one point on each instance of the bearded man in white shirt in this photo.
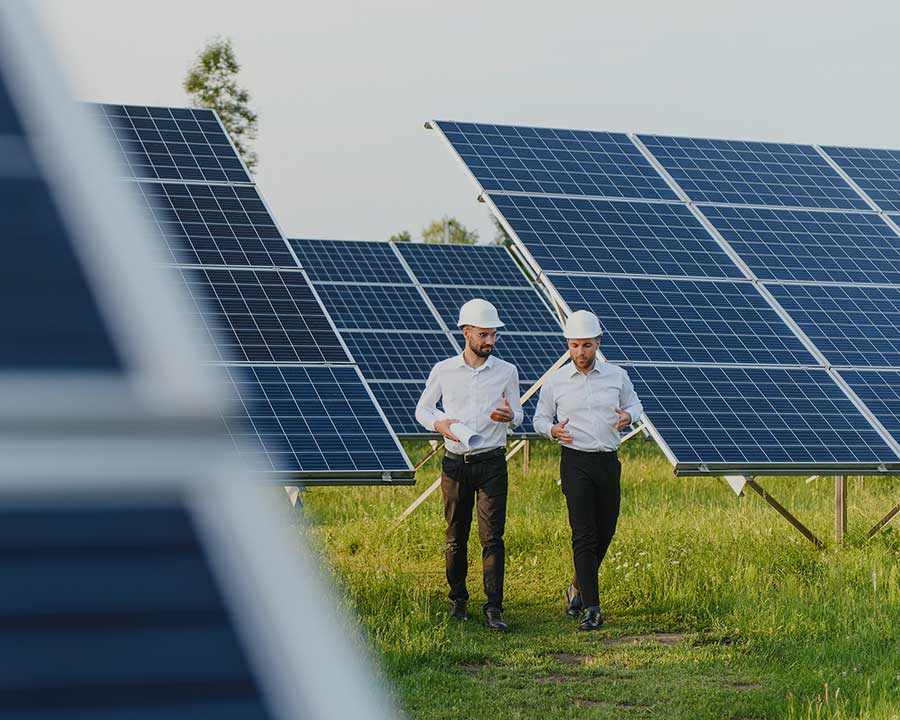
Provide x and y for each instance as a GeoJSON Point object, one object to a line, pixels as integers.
{"type": "Point", "coordinates": [481, 392]}
{"type": "Point", "coordinates": [591, 402]}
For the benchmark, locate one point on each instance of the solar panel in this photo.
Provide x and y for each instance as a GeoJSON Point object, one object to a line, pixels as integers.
{"type": "Point", "coordinates": [880, 391]}
{"type": "Point", "coordinates": [350, 261]}
{"type": "Point", "coordinates": [877, 172]}
{"type": "Point", "coordinates": [398, 400]}
{"type": "Point", "coordinates": [851, 325]}
{"type": "Point", "coordinates": [262, 315]}
{"type": "Point", "coordinates": [531, 353]}
{"type": "Point", "coordinates": [696, 321]}
{"type": "Point", "coordinates": [519, 309]}
{"type": "Point", "coordinates": [114, 611]}
{"type": "Point", "coordinates": [744, 417]}
{"type": "Point", "coordinates": [398, 356]}
{"type": "Point", "coordinates": [566, 162]}
{"type": "Point", "coordinates": [215, 225]}
{"type": "Point", "coordinates": [753, 173]}
{"type": "Point", "coordinates": [52, 320]}
{"type": "Point", "coordinates": [809, 245]}
{"type": "Point", "coordinates": [471, 265]}
{"type": "Point", "coordinates": [377, 307]}
{"type": "Point", "coordinates": [171, 143]}
{"type": "Point", "coordinates": [599, 236]}
{"type": "Point", "coordinates": [306, 420]}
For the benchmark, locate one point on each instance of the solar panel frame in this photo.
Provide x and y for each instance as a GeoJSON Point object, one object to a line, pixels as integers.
{"type": "Point", "coordinates": [614, 237]}
{"type": "Point", "coordinates": [752, 173]}
{"type": "Point", "coordinates": [807, 245]}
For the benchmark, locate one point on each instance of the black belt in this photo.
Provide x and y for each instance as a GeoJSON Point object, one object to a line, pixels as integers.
{"type": "Point", "coordinates": [589, 452]}
{"type": "Point", "coordinates": [476, 457]}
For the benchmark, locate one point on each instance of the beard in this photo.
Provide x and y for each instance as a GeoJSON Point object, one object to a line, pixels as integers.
{"type": "Point", "coordinates": [484, 351]}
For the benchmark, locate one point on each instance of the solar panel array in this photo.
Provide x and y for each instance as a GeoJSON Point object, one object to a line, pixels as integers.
{"type": "Point", "coordinates": [301, 407]}
{"type": "Point", "coordinates": [738, 299]}
{"type": "Point", "coordinates": [396, 306]}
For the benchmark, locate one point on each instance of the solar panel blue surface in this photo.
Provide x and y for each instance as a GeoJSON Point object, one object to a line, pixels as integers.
{"type": "Point", "coordinates": [749, 416]}
{"type": "Point", "coordinates": [262, 315]}
{"type": "Point", "coordinates": [52, 319]}
{"type": "Point", "coordinates": [472, 265]}
{"type": "Point", "coordinates": [377, 307]}
{"type": "Point", "coordinates": [753, 173]}
{"type": "Point", "coordinates": [215, 225]}
{"type": "Point", "coordinates": [170, 143]}
{"type": "Point", "coordinates": [880, 391]}
{"type": "Point", "coordinates": [599, 236]}
{"type": "Point", "coordinates": [398, 356]}
{"type": "Point", "coordinates": [308, 420]}
{"type": "Point", "coordinates": [851, 325]}
{"type": "Point", "coordinates": [398, 400]}
{"type": "Point", "coordinates": [809, 245]}
{"type": "Point", "coordinates": [350, 261]}
{"type": "Point", "coordinates": [112, 613]}
{"type": "Point", "coordinates": [544, 160]}
{"type": "Point", "coordinates": [532, 354]}
{"type": "Point", "coordinates": [877, 172]}
{"type": "Point", "coordinates": [520, 310]}
{"type": "Point", "coordinates": [698, 321]}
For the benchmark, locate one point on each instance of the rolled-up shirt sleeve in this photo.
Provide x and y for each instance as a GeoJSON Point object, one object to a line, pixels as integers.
{"type": "Point", "coordinates": [629, 401]}
{"type": "Point", "coordinates": [546, 410]}
{"type": "Point", "coordinates": [427, 412]}
{"type": "Point", "coordinates": [514, 399]}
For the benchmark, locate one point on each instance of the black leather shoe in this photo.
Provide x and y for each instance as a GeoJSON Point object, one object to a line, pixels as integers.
{"type": "Point", "coordinates": [575, 603]}
{"type": "Point", "coordinates": [458, 610]}
{"type": "Point", "coordinates": [493, 618]}
{"type": "Point", "coordinates": [592, 620]}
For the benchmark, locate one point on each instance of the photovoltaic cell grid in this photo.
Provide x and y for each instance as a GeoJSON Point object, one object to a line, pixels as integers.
{"type": "Point", "coordinates": [520, 310]}
{"type": "Point", "coordinates": [877, 172]}
{"type": "Point", "coordinates": [398, 400]}
{"type": "Point", "coordinates": [52, 319]}
{"type": "Point", "coordinates": [753, 173]}
{"type": "Point", "coordinates": [171, 143]}
{"type": "Point", "coordinates": [567, 235]}
{"type": "Point", "coordinates": [566, 162]}
{"type": "Point", "coordinates": [398, 356]}
{"type": "Point", "coordinates": [469, 265]}
{"type": "Point", "coordinates": [880, 391]}
{"type": "Point", "coordinates": [377, 307]}
{"type": "Point", "coordinates": [685, 321]}
{"type": "Point", "coordinates": [749, 416]}
{"type": "Point", "coordinates": [262, 316]}
{"type": "Point", "coordinates": [164, 613]}
{"type": "Point", "coordinates": [313, 418]}
{"type": "Point", "coordinates": [811, 246]}
{"type": "Point", "coordinates": [851, 325]}
{"type": "Point", "coordinates": [259, 306]}
{"type": "Point", "coordinates": [350, 261]}
{"type": "Point", "coordinates": [215, 225]}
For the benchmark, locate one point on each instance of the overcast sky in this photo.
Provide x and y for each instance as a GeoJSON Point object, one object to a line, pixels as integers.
{"type": "Point", "coordinates": [343, 89]}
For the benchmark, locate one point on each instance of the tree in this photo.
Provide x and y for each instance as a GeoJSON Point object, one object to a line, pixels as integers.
{"type": "Point", "coordinates": [402, 236]}
{"type": "Point", "coordinates": [501, 237]}
{"type": "Point", "coordinates": [449, 230]}
{"type": "Point", "coordinates": [211, 83]}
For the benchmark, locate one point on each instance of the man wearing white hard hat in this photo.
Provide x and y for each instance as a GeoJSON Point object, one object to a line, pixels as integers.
{"type": "Point", "coordinates": [591, 402]}
{"type": "Point", "coordinates": [480, 395]}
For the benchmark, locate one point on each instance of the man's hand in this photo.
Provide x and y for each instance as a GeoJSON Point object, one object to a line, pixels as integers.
{"type": "Point", "coordinates": [624, 419]}
{"type": "Point", "coordinates": [443, 427]}
{"type": "Point", "coordinates": [559, 432]}
{"type": "Point", "coordinates": [503, 413]}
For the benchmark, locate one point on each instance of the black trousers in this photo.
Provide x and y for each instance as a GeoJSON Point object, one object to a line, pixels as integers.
{"type": "Point", "coordinates": [462, 484]}
{"type": "Point", "coordinates": [590, 482]}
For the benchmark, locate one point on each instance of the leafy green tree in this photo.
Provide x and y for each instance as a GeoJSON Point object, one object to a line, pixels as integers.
{"type": "Point", "coordinates": [211, 83]}
{"type": "Point", "coordinates": [449, 230]}
{"type": "Point", "coordinates": [402, 236]}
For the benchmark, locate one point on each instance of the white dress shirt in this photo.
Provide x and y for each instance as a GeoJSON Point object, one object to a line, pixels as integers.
{"type": "Point", "coordinates": [470, 395]}
{"type": "Point", "coordinates": [589, 401]}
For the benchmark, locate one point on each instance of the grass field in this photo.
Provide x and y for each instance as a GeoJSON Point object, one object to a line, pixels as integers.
{"type": "Point", "coordinates": [715, 607]}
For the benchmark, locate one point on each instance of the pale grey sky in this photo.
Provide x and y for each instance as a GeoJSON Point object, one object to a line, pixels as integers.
{"type": "Point", "coordinates": [343, 89]}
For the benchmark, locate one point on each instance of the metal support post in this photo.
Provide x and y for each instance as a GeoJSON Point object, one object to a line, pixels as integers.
{"type": "Point", "coordinates": [840, 507]}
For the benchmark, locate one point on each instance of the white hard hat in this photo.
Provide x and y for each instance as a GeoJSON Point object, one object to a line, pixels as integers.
{"type": "Point", "coordinates": [479, 313]}
{"type": "Point", "coordinates": [582, 324]}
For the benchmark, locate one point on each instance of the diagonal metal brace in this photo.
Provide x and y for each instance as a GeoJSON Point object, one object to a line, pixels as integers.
{"type": "Point", "coordinates": [785, 513]}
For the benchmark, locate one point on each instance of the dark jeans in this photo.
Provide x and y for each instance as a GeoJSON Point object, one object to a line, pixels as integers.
{"type": "Point", "coordinates": [590, 482]}
{"type": "Point", "coordinates": [461, 483]}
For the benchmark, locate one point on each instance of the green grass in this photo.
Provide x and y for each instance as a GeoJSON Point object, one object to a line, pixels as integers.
{"type": "Point", "coordinates": [767, 625]}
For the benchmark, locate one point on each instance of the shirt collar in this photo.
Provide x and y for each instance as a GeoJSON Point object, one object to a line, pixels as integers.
{"type": "Point", "coordinates": [573, 371]}
{"type": "Point", "coordinates": [489, 363]}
